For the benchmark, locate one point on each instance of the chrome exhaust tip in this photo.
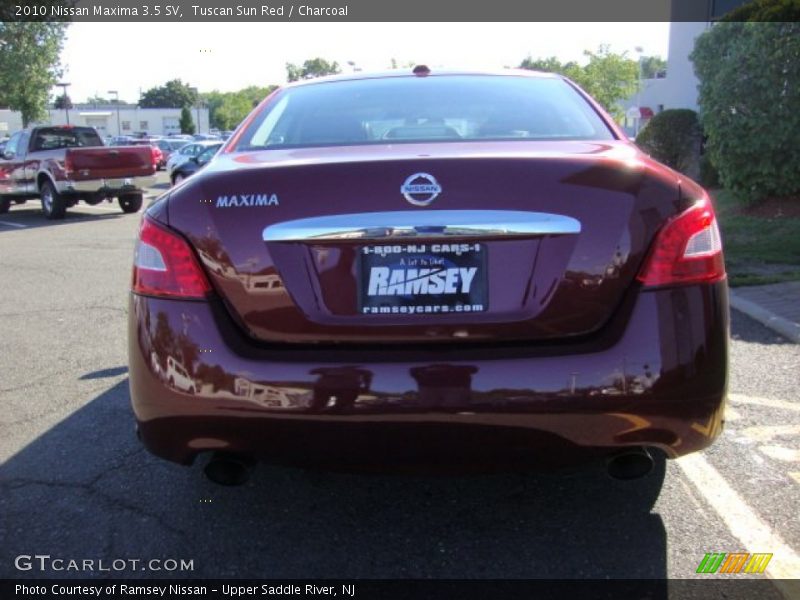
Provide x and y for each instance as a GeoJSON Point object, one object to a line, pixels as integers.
{"type": "Point", "coordinates": [630, 464]}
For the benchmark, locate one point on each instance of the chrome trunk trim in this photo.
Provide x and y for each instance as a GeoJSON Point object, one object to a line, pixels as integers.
{"type": "Point", "coordinates": [387, 226]}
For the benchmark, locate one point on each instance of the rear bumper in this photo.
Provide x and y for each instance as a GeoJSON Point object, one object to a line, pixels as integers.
{"type": "Point", "coordinates": [109, 187]}
{"type": "Point", "coordinates": [656, 376]}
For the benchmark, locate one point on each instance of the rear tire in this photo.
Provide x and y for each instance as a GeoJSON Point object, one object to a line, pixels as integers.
{"type": "Point", "coordinates": [177, 178]}
{"type": "Point", "coordinates": [54, 206]}
{"type": "Point", "coordinates": [5, 204]}
{"type": "Point", "coordinates": [130, 203]}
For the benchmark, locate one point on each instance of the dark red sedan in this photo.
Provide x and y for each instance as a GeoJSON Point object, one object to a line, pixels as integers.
{"type": "Point", "coordinates": [428, 269]}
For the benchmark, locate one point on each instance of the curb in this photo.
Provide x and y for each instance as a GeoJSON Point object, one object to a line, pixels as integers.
{"type": "Point", "coordinates": [788, 329]}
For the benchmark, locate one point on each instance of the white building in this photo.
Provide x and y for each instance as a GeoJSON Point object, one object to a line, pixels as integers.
{"type": "Point", "coordinates": [105, 118]}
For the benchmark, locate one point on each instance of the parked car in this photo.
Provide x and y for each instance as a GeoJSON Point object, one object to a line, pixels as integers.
{"type": "Point", "coordinates": [474, 267]}
{"type": "Point", "coordinates": [121, 140]}
{"type": "Point", "coordinates": [185, 153]}
{"type": "Point", "coordinates": [167, 147]}
{"type": "Point", "coordinates": [201, 137]}
{"type": "Point", "coordinates": [194, 164]}
{"type": "Point", "coordinates": [62, 165]}
{"type": "Point", "coordinates": [154, 143]}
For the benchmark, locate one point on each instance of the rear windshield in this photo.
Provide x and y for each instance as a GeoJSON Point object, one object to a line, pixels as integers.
{"type": "Point", "coordinates": [52, 138]}
{"type": "Point", "coordinates": [425, 109]}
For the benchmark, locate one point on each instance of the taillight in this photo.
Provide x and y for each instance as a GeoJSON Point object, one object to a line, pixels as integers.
{"type": "Point", "coordinates": [68, 165]}
{"type": "Point", "coordinates": [164, 264]}
{"type": "Point", "coordinates": [688, 249]}
{"type": "Point", "coordinates": [154, 155]}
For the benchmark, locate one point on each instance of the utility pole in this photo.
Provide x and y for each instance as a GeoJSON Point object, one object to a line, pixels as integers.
{"type": "Point", "coordinates": [64, 86]}
{"type": "Point", "coordinates": [116, 101]}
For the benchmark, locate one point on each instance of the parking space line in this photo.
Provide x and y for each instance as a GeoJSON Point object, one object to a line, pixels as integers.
{"type": "Point", "coordinates": [744, 523]}
{"type": "Point", "coordinates": [13, 224]}
{"type": "Point", "coordinates": [766, 433]}
{"type": "Point", "coordinates": [771, 403]}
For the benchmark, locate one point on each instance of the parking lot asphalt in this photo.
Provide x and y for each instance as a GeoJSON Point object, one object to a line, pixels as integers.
{"type": "Point", "coordinates": [75, 483]}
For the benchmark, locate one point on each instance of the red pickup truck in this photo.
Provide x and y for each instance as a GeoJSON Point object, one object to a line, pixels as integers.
{"type": "Point", "coordinates": [62, 165]}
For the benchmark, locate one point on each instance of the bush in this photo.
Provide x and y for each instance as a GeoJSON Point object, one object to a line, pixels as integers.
{"type": "Point", "coordinates": [749, 97]}
{"type": "Point", "coordinates": [673, 137]}
{"type": "Point", "coordinates": [709, 177]}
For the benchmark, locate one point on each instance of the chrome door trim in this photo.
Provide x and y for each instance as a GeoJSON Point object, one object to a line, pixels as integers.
{"type": "Point", "coordinates": [383, 226]}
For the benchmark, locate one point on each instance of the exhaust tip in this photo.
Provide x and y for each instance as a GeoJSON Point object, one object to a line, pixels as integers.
{"type": "Point", "coordinates": [228, 469]}
{"type": "Point", "coordinates": [630, 464]}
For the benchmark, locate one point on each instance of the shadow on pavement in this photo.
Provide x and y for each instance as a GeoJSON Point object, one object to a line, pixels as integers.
{"type": "Point", "coordinates": [31, 217]}
{"type": "Point", "coordinates": [86, 489]}
{"type": "Point", "coordinates": [103, 373]}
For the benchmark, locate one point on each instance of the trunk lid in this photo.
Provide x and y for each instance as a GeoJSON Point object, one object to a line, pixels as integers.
{"type": "Point", "coordinates": [541, 240]}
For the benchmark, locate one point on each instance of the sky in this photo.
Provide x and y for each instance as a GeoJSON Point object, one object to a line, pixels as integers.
{"type": "Point", "coordinates": [229, 56]}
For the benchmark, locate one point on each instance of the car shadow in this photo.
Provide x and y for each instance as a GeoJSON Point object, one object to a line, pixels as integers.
{"type": "Point", "coordinates": [29, 216]}
{"type": "Point", "coordinates": [85, 488]}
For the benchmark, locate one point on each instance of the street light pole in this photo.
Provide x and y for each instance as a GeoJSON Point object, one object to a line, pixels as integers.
{"type": "Point", "coordinates": [64, 86]}
{"type": "Point", "coordinates": [116, 101]}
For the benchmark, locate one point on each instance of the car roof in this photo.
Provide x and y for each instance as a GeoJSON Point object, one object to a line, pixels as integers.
{"type": "Point", "coordinates": [431, 72]}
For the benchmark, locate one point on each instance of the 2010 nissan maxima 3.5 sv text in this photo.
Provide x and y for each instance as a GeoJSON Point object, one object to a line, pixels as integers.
{"type": "Point", "coordinates": [425, 268]}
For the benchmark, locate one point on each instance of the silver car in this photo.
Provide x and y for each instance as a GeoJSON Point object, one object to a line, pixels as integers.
{"type": "Point", "coordinates": [185, 153]}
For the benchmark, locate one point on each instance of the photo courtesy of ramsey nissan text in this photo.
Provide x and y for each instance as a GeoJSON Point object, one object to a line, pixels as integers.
{"type": "Point", "coordinates": [386, 300]}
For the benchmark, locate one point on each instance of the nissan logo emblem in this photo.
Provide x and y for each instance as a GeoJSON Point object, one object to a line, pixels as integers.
{"type": "Point", "coordinates": [420, 189]}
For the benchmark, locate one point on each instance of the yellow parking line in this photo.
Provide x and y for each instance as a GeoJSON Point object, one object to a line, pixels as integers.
{"type": "Point", "coordinates": [744, 523]}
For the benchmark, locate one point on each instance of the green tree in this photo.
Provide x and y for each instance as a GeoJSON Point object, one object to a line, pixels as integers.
{"type": "Point", "coordinates": [228, 109]}
{"type": "Point", "coordinates": [186, 123]}
{"type": "Point", "coordinates": [314, 67]}
{"type": "Point", "coordinates": [100, 101]}
{"type": "Point", "coordinates": [749, 95]}
{"type": "Point", "coordinates": [652, 66]}
{"type": "Point", "coordinates": [63, 101]}
{"type": "Point", "coordinates": [608, 77]}
{"type": "Point", "coordinates": [173, 94]}
{"type": "Point", "coordinates": [766, 10]}
{"type": "Point", "coordinates": [29, 65]}
{"type": "Point", "coordinates": [551, 65]}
